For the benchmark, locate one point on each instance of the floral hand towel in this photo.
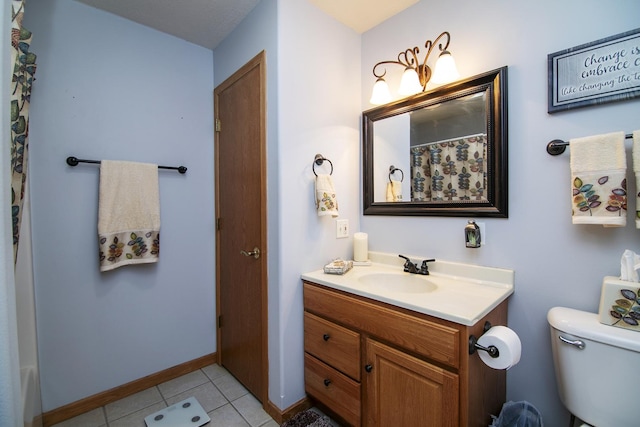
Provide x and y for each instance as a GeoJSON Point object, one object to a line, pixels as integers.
{"type": "Point", "coordinates": [598, 180]}
{"type": "Point", "coordinates": [128, 214]}
{"type": "Point", "coordinates": [636, 170]}
{"type": "Point", "coordinates": [326, 203]}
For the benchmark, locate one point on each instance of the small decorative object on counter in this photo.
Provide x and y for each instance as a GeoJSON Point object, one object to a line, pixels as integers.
{"type": "Point", "coordinates": [472, 235]}
{"type": "Point", "coordinates": [338, 266]}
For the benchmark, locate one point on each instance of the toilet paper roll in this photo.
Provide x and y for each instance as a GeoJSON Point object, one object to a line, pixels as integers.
{"type": "Point", "coordinates": [508, 344]}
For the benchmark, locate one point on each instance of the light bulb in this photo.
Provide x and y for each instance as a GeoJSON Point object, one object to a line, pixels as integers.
{"type": "Point", "coordinates": [410, 83]}
{"type": "Point", "coordinates": [380, 93]}
{"type": "Point", "coordinates": [445, 69]}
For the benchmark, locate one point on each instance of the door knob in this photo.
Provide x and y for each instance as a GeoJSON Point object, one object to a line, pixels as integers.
{"type": "Point", "coordinates": [368, 368]}
{"type": "Point", "coordinates": [254, 253]}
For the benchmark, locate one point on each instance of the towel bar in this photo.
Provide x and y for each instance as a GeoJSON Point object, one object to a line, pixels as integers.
{"type": "Point", "coordinates": [73, 161]}
{"type": "Point", "coordinates": [557, 146]}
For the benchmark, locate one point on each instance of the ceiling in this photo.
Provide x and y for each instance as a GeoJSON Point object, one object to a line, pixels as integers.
{"type": "Point", "coordinates": [207, 22]}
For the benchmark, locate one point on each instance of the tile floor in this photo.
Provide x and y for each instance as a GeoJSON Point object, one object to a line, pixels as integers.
{"type": "Point", "coordinates": [226, 401]}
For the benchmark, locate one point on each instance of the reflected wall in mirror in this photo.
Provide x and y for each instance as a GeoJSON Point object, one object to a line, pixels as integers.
{"type": "Point", "coordinates": [442, 152]}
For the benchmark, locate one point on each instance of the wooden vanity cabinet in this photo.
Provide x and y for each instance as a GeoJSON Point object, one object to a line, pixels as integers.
{"type": "Point", "coordinates": [374, 364]}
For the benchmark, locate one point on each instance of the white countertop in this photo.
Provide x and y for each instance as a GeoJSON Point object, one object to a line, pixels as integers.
{"type": "Point", "coordinates": [464, 293]}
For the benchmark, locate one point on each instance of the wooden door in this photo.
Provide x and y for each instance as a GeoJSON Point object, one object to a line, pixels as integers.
{"type": "Point", "coordinates": [405, 391]}
{"type": "Point", "coordinates": [241, 256]}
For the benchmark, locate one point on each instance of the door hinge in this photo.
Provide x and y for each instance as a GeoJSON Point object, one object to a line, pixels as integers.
{"type": "Point", "coordinates": [218, 224]}
{"type": "Point", "coordinates": [220, 321]}
{"type": "Point", "coordinates": [218, 125]}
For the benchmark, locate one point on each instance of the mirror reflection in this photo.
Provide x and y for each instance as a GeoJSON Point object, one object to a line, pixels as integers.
{"type": "Point", "coordinates": [439, 153]}
{"type": "Point", "coordinates": [442, 147]}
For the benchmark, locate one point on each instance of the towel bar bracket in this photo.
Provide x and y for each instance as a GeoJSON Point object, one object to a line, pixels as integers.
{"type": "Point", "coordinates": [556, 147]}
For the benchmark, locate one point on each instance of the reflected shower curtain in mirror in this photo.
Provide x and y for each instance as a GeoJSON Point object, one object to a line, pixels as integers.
{"type": "Point", "coordinates": [24, 67]}
{"type": "Point", "coordinates": [449, 170]}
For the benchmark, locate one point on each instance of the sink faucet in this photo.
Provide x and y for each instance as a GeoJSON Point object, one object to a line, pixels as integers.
{"type": "Point", "coordinates": [411, 267]}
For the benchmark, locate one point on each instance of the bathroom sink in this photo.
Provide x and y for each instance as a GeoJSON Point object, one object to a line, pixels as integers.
{"type": "Point", "coordinates": [461, 293]}
{"type": "Point", "coordinates": [399, 282]}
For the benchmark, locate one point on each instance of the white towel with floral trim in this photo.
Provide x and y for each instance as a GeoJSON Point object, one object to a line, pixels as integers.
{"type": "Point", "coordinates": [635, 155]}
{"type": "Point", "coordinates": [326, 202]}
{"type": "Point", "coordinates": [128, 214]}
{"type": "Point", "coordinates": [394, 191]}
{"type": "Point", "coordinates": [598, 180]}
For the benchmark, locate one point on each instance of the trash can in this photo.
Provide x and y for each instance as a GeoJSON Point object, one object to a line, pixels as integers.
{"type": "Point", "coordinates": [518, 414]}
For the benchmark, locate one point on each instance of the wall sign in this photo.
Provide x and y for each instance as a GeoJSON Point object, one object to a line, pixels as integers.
{"type": "Point", "coordinates": [602, 71]}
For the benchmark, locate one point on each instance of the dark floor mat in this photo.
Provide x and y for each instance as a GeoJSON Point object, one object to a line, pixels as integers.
{"type": "Point", "coordinates": [308, 418]}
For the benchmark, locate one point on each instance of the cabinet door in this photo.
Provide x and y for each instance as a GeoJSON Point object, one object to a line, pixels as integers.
{"type": "Point", "coordinates": [403, 390]}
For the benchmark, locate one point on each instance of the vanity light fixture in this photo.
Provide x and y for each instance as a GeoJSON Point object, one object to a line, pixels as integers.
{"type": "Point", "coordinates": [416, 75]}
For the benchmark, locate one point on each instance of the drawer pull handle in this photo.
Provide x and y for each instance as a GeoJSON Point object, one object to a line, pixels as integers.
{"type": "Point", "coordinates": [368, 368]}
{"type": "Point", "coordinates": [326, 337]}
{"type": "Point", "coordinates": [327, 382]}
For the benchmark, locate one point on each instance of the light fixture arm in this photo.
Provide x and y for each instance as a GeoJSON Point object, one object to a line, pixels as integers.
{"type": "Point", "coordinates": [409, 59]}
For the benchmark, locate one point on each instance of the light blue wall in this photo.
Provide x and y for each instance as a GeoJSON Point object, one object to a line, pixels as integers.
{"type": "Point", "coordinates": [107, 88]}
{"type": "Point", "coordinates": [318, 112]}
{"type": "Point", "coordinates": [556, 263]}
{"type": "Point", "coordinates": [309, 67]}
{"type": "Point", "coordinates": [256, 33]}
{"type": "Point", "coordinates": [319, 78]}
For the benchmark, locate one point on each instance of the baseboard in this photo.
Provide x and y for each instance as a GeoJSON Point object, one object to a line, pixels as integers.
{"type": "Point", "coordinates": [281, 416]}
{"type": "Point", "coordinates": [97, 400]}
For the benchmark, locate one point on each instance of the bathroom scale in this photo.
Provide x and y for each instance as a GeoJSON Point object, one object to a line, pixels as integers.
{"type": "Point", "coordinates": [187, 413]}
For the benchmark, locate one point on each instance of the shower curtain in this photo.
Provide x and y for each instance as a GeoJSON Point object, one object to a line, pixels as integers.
{"type": "Point", "coordinates": [450, 170]}
{"type": "Point", "coordinates": [23, 68]}
{"type": "Point", "coordinates": [13, 155]}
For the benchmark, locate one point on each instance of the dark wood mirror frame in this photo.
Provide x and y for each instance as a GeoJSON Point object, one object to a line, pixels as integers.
{"type": "Point", "coordinates": [494, 83]}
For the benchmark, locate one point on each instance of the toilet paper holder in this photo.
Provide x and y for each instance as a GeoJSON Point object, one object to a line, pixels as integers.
{"type": "Point", "coordinates": [473, 344]}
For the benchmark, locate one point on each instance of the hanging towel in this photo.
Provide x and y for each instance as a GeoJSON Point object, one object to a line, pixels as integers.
{"type": "Point", "coordinates": [128, 214]}
{"type": "Point", "coordinates": [394, 191]}
{"type": "Point", "coordinates": [326, 203]}
{"type": "Point", "coordinates": [636, 171]}
{"type": "Point", "coordinates": [598, 180]}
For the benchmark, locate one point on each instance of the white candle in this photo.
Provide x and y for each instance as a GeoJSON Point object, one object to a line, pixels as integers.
{"type": "Point", "coordinates": [360, 249]}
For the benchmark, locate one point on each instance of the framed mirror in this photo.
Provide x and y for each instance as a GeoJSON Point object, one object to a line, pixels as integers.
{"type": "Point", "coordinates": [442, 152]}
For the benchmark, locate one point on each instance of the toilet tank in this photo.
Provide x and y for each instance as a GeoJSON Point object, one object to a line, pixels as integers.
{"type": "Point", "coordinates": [598, 382]}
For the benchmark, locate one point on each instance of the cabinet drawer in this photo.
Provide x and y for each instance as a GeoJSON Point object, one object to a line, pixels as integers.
{"type": "Point", "coordinates": [428, 338]}
{"type": "Point", "coordinates": [337, 391]}
{"type": "Point", "coordinates": [334, 345]}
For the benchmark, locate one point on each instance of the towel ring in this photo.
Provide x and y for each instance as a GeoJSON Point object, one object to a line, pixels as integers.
{"type": "Point", "coordinates": [393, 169]}
{"type": "Point", "coordinates": [319, 160]}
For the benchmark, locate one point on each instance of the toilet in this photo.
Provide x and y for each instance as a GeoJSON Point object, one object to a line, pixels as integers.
{"type": "Point", "coordinates": [597, 367]}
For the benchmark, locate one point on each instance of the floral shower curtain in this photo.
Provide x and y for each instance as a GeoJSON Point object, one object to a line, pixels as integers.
{"type": "Point", "coordinates": [24, 68]}
{"type": "Point", "coordinates": [449, 170]}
